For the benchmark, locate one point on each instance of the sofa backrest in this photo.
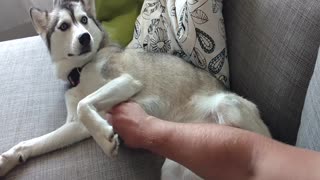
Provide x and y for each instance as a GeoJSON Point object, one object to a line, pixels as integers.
{"type": "Point", "coordinates": [15, 20]}
{"type": "Point", "coordinates": [272, 51]}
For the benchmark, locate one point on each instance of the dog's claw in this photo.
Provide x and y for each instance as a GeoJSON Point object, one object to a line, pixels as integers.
{"type": "Point", "coordinates": [109, 142]}
{"type": "Point", "coordinates": [115, 141]}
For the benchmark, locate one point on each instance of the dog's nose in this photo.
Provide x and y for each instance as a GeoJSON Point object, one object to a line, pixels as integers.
{"type": "Point", "coordinates": [84, 39]}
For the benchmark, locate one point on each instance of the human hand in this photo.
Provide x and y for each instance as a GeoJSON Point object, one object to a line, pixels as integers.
{"type": "Point", "coordinates": [129, 121]}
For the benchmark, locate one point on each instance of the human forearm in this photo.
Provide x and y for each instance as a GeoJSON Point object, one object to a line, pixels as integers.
{"type": "Point", "coordinates": [220, 152]}
{"type": "Point", "coordinates": [275, 160]}
{"type": "Point", "coordinates": [214, 151]}
{"type": "Point", "coordinates": [208, 149]}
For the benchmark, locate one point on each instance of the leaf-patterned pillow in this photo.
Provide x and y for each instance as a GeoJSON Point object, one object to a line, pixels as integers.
{"type": "Point", "coordinates": [191, 29]}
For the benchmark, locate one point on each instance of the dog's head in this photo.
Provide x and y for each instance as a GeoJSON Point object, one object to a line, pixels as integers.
{"type": "Point", "coordinates": [71, 33]}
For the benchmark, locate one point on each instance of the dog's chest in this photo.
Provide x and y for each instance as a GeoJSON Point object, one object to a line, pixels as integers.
{"type": "Point", "coordinates": [91, 79]}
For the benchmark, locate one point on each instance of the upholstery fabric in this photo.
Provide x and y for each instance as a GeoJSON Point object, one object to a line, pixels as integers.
{"type": "Point", "coordinates": [192, 30]}
{"type": "Point", "coordinates": [32, 104]}
{"type": "Point", "coordinates": [309, 131]}
{"type": "Point", "coordinates": [15, 20]}
{"type": "Point", "coordinates": [272, 48]}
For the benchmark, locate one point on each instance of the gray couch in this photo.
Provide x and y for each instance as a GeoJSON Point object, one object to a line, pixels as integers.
{"type": "Point", "coordinates": [15, 20]}
{"type": "Point", "coordinates": [272, 49]}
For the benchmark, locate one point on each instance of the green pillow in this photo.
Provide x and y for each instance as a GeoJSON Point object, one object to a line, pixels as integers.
{"type": "Point", "coordinates": [118, 18]}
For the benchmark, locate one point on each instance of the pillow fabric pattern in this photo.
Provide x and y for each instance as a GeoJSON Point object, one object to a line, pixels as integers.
{"type": "Point", "coordinates": [191, 29]}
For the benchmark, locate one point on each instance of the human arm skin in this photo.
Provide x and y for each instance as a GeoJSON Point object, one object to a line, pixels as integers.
{"type": "Point", "coordinates": [214, 151]}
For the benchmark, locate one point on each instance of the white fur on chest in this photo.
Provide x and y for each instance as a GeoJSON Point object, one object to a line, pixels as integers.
{"type": "Point", "coordinates": [91, 78]}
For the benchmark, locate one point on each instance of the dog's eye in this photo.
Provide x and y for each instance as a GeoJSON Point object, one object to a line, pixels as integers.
{"type": "Point", "coordinates": [64, 26]}
{"type": "Point", "coordinates": [84, 20]}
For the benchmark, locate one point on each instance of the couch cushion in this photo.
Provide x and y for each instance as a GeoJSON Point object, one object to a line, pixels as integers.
{"type": "Point", "coordinates": [32, 104]}
{"type": "Point", "coordinates": [309, 132]}
{"type": "Point", "coordinates": [272, 50]}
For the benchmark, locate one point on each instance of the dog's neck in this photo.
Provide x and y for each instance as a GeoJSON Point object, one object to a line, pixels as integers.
{"type": "Point", "coordinates": [63, 67]}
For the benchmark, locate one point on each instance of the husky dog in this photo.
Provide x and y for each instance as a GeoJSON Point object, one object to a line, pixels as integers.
{"type": "Point", "coordinates": [164, 85]}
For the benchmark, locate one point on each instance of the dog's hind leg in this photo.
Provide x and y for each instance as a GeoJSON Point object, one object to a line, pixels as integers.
{"type": "Point", "coordinates": [67, 134]}
{"type": "Point", "coordinates": [233, 110]}
{"type": "Point", "coordinates": [114, 92]}
{"type": "Point", "coordinates": [226, 109]}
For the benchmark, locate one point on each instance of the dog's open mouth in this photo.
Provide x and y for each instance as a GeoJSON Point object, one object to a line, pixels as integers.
{"type": "Point", "coordinates": [83, 52]}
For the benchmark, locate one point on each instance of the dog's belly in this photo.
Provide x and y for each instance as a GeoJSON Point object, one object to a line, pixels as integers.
{"type": "Point", "coordinates": [166, 94]}
{"type": "Point", "coordinates": [193, 110]}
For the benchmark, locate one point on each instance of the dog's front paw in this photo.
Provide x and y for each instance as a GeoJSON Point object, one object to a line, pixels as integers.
{"type": "Point", "coordinates": [8, 161]}
{"type": "Point", "coordinates": [11, 158]}
{"type": "Point", "coordinates": [108, 141]}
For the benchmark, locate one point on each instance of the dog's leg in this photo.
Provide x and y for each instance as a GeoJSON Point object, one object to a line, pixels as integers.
{"type": "Point", "coordinates": [223, 108]}
{"type": "Point", "coordinates": [233, 110]}
{"type": "Point", "coordinates": [114, 92]}
{"type": "Point", "coordinates": [63, 136]}
{"type": "Point", "coordinates": [71, 132]}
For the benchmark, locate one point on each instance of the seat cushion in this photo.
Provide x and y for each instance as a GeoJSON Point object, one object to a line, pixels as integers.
{"type": "Point", "coordinates": [272, 48]}
{"type": "Point", "coordinates": [32, 104]}
{"type": "Point", "coordinates": [309, 131]}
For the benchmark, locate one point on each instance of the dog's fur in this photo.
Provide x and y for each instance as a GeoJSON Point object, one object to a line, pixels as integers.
{"type": "Point", "coordinates": [164, 85]}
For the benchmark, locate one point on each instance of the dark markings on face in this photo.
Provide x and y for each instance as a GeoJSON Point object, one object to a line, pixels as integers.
{"type": "Point", "coordinates": [71, 12]}
{"type": "Point", "coordinates": [95, 21]}
{"type": "Point", "coordinates": [69, 6]}
{"type": "Point", "coordinates": [103, 40]}
{"type": "Point", "coordinates": [59, 3]}
{"type": "Point", "coordinates": [50, 31]}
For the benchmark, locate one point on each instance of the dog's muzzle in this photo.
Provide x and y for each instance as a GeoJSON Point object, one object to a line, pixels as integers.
{"type": "Point", "coordinates": [85, 42]}
{"type": "Point", "coordinates": [85, 39]}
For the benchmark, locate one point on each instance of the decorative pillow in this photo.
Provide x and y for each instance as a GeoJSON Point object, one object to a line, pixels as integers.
{"type": "Point", "coordinates": [191, 29]}
{"type": "Point", "coordinates": [118, 18]}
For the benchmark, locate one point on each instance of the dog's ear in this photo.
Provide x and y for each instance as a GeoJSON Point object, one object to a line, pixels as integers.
{"type": "Point", "coordinates": [39, 20]}
{"type": "Point", "coordinates": [90, 7]}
